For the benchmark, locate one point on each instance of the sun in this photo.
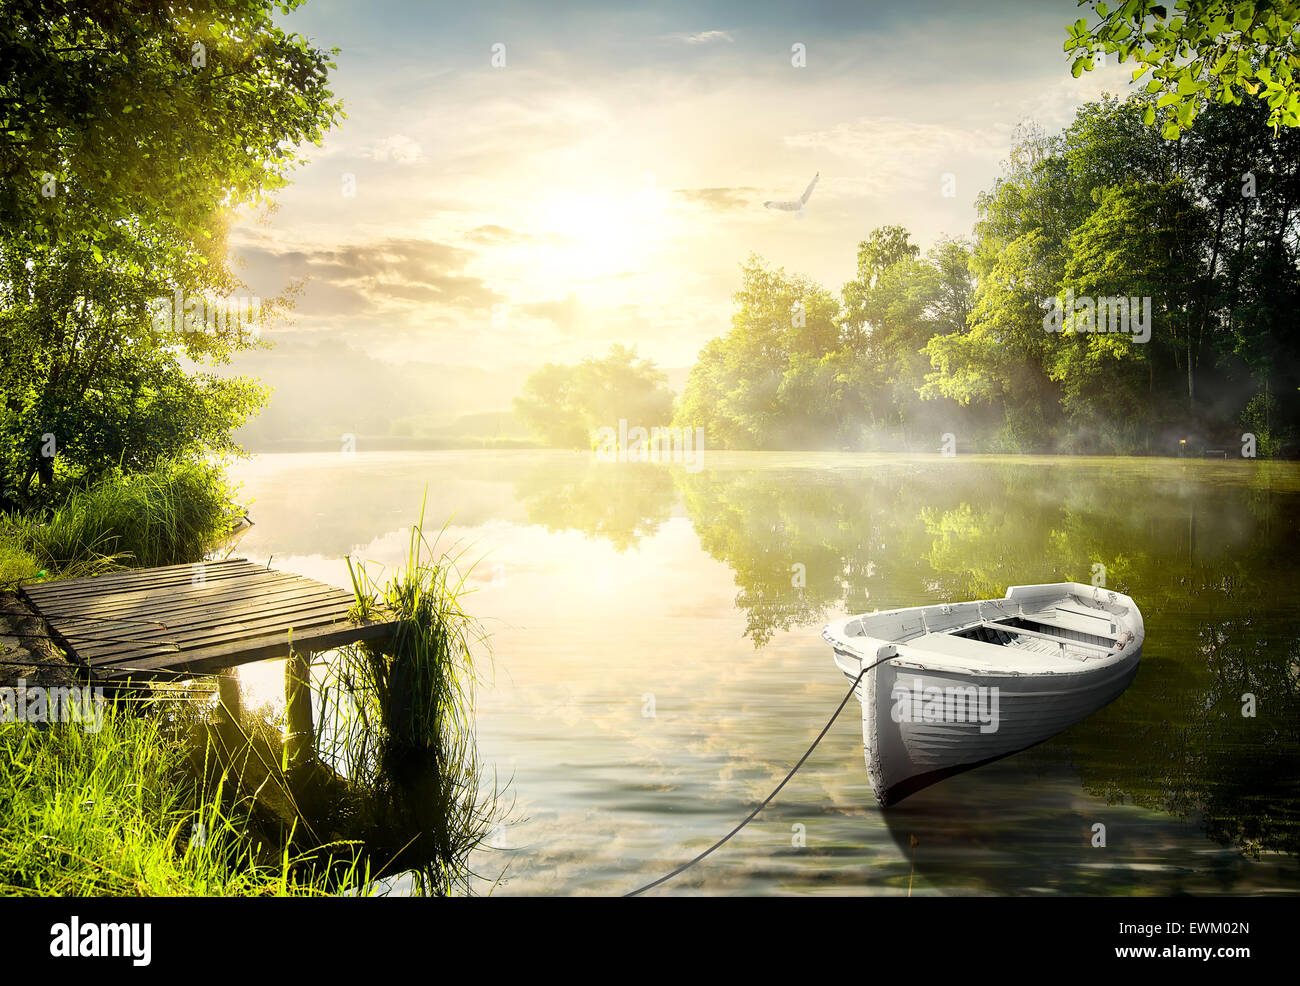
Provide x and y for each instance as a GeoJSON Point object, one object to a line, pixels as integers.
{"type": "Point", "coordinates": [601, 232]}
{"type": "Point", "coordinates": [584, 218]}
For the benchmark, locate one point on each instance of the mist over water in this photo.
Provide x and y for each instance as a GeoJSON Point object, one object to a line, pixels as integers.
{"type": "Point", "coordinates": [658, 666]}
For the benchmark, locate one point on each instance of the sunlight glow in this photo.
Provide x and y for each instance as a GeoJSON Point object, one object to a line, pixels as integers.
{"type": "Point", "coordinates": [603, 232]}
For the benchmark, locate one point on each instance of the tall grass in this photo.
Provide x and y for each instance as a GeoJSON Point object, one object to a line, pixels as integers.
{"type": "Point", "coordinates": [394, 785]}
{"type": "Point", "coordinates": [16, 565]}
{"type": "Point", "coordinates": [169, 515]}
{"type": "Point", "coordinates": [114, 813]}
{"type": "Point", "coordinates": [398, 722]}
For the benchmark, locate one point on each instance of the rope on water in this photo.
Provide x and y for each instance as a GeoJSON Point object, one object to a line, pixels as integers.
{"type": "Point", "coordinates": [777, 790]}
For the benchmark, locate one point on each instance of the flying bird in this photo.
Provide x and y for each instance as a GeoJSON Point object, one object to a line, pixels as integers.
{"type": "Point", "coordinates": [795, 205]}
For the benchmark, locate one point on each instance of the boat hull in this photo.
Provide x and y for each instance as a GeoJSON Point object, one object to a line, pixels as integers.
{"type": "Point", "coordinates": [951, 687]}
{"type": "Point", "coordinates": [903, 757]}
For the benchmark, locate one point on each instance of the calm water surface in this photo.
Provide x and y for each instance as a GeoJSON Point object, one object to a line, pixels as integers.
{"type": "Point", "coordinates": [657, 662]}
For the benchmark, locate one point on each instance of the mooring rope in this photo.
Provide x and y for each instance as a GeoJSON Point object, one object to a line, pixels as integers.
{"type": "Point", "coordinates": [777, 790]}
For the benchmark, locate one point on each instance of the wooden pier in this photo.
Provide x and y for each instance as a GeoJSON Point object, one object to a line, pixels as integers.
{"type": "Point", "coordinates": [185, 620]}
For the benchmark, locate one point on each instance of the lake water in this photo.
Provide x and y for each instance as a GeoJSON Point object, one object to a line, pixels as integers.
{"type": "Point", "coordinates": [657, 664]}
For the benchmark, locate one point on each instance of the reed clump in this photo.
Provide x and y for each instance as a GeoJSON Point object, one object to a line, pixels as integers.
{"type": "Point", "coordinates": [391, 792]}
{"type": "Point", "coordinates": [397, 721]}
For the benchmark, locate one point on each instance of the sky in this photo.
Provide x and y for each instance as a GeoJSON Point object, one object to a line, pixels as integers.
{"type": "Point", "coordinates": [604, 180]}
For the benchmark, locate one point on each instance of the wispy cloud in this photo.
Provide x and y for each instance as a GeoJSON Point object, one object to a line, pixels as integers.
{"type": "Point", "coordinates": [492, 234]}
{"type": "Point", "coordinates": [703, 37]}
{"type": "Point", "coordinates": [890, 155]}
{"type": "Point", "coordinates": [718, 199]}
{"type": "Point", "coordinates": [399, 148]}
{"type": "Point", "coordinates": [376, 278]}
{"type": "Point", "coordinates": [566, 315]}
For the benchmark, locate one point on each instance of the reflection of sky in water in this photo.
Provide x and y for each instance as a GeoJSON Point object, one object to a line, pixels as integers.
{"type": "Point", "coordinates": [585, 635]}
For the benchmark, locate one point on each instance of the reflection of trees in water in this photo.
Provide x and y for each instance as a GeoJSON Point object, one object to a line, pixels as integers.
{"type": "Point", "coordinates": [1203, 558]}
{"type": "Point", "coordinates": [620, 502]}
{"type": "Point", "coordinates": [892, 536]}
{"type": "Point", "coordinates": [1204, 561]}
{"type": "Point", "coordinates": [765, 527]}
{"type": "Point", "coordinates": [1187, 747]}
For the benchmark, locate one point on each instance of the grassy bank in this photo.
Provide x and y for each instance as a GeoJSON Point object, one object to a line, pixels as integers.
{"type": "Point", "coordinates": [172, 514]}
{"type": "Point", "coordinates": [112, 812]}
{"type": "Point", "coordinates": [389, 785]}
{"type": "Point", "coordinates": [119, 813]}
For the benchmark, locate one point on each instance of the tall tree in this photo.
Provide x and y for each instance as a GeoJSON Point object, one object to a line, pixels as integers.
{"type": "Point", "coordinates": [893, 307]}
{"type": "Point", "coordinates": [770, 382]}
{"type": "Point", "coordinates": [129, 131]}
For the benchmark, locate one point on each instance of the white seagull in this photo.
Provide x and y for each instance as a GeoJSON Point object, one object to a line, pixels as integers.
{"type": "Point", "coordinates": [795, 205]}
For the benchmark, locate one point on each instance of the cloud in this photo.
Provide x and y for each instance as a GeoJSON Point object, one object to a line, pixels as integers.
{"type": "Point", "coordinates": [399, 148]}
{"type": "Point", "coordinates": [566, 315]}
{"type": "Point", "coordinates": [890, 155]}
{"type": "Point", "coordinates": [703, 37]}
{"type": "Point", "coordinates": [493, 162]}
{"type": "Point", "coordinates": [377, 277]}
{"type": "Point", "coordinates": [1055, 105]}
{"type": "Point", "coordinates": [718, 199]}
{"type": "Point", "coordinates": [494, 235]}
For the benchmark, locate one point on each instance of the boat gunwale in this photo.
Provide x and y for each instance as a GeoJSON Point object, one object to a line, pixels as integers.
{"type": "Point", "coordinates": [864, 647]}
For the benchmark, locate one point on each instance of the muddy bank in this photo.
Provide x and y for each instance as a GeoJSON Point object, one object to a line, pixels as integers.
{"type": "Point", "coordinates": [27, 652]}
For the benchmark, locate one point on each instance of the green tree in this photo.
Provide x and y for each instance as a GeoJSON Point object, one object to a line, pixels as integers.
{"type": "Point", "coordinates": [893, 307]}
{"type": "Point", "coordinates": [958, 341]}
{"type": "Point", "coordinates": [1210, 51]}
{"type": "Point", "coordinates": [550, 407]}
{"type": "Point", "coordinates": [886, 246]}
{"type": "Point", "coordinates": [565, 405]}
{"type": "Point", "coordinates": [1203, 227]}
{"type": "Point", "coordinates": [1139, 248]}
{"type": "Point", "coordinates": [769, 383]}
{"type": "Point", "coordinates": [129, 131]}
{"type": "Point", "coordinates": [1000, 360]}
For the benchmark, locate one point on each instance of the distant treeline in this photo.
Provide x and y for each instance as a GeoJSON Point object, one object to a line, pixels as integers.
{"type": "Point", "coordinates": [566, 406]}
{"type": "Point", "coordinates": [1120, 293]}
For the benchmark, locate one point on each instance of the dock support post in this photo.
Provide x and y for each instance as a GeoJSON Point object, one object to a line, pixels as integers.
{"type": "Point", "coordinates": [299, 738]}
{"type": "Point", "coordinates": [228, 693]}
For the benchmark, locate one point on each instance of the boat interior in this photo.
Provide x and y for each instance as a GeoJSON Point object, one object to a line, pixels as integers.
{"type": "Point", "coordinates": [1040, 635]}
{"type": "Point", "coordinates": [1064, 625]}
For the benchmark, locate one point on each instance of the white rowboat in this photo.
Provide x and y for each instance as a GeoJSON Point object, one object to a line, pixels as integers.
{"type": "Point", "coordinates": [963, 684]}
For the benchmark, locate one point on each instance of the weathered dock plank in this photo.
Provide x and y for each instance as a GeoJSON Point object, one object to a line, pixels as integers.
{"type": "Point", "coordinates": [182, 620]}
